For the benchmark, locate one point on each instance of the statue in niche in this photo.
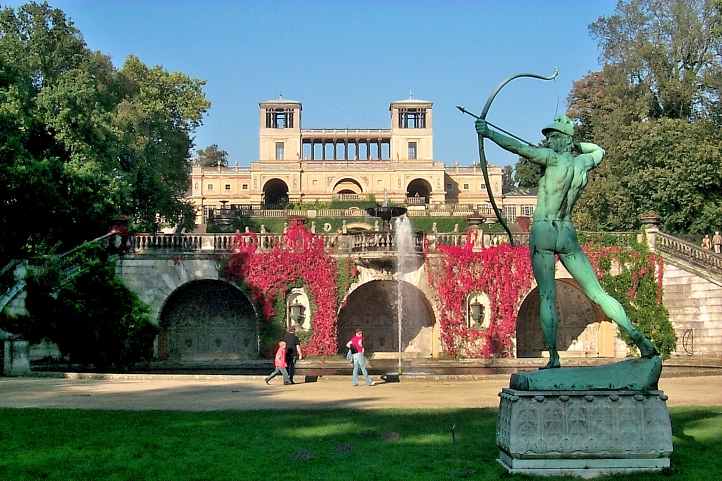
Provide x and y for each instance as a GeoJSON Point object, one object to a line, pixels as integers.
{"type": "Point", "coordinates": [263, 229]}
{"type": "Point", "coordinates": [566, 165]}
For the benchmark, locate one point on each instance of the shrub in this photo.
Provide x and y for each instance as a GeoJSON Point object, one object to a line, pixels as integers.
{"type": "Point", "coordinates": [88, 312]}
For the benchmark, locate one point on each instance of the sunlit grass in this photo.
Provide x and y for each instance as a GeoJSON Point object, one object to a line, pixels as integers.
{"type": "Point", "coordinates": [298, 445]}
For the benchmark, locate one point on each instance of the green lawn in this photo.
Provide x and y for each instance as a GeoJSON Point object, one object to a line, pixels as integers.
{"type": "Point", "coordinates": [294, 445]}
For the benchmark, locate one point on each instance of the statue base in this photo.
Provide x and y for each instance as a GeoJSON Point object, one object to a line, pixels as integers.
{"type": "Point", "coordinates": [639, 374]}
{"type": "Point", "coordinates": [583, 433]}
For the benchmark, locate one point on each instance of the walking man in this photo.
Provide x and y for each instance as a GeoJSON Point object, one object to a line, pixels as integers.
{"type": "Point", "coordinates": [293, 348]}
{"type": "Point", "coordinates": [552, 233]}
{"type": "Point", "coordinates": [359, 359]}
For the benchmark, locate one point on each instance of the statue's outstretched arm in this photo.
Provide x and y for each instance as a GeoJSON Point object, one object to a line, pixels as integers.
{"type": "Point", "coordinates": [538, 155]}
{"type": "Point", "coordinates": [592, 154]}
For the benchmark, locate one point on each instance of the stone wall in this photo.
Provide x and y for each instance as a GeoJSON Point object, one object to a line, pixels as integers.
{"type": "Point", "coordinates": [694, 302]}
{"type": "Point", "coordinates": [153, 279]}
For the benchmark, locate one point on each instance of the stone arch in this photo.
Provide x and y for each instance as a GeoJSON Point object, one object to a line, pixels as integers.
{"type": "Point", "coordinates": [209, 321]}
{"type": "Point", "coordinates": [584, 330]}
{"type": "Point", "coordinates": [275, 193]}
{"type": "Point", "coordinates": [372, 307]}
{"type": "Point", "coordinates": [347, 185]}
{"type": "Point", "coordinates": [419, 187]}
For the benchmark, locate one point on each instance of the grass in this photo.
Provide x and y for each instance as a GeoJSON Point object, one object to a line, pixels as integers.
{"type": "Point", "coordinates": [298, 445]}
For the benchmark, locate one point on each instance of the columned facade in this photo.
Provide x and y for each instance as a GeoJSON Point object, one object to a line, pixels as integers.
{"type": "Point", "coordinates": [396, 163]}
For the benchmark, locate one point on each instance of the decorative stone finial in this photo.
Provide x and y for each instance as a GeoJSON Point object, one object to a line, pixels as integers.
{"type": "Point", "coordinates": [649, 218]}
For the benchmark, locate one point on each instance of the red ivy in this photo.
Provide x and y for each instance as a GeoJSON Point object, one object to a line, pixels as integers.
{"type": "Point", "coordinates": [503, 273]}
{"type": "Point", "coordinates": [301, 256]}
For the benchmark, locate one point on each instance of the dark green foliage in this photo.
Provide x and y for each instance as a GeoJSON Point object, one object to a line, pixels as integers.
{"type": "Point", "coordinates": [272, 330]}
{"type": "Point", "coordinates": [636, 288]}
{"type": "Point", "coordinates": [507, 179]}
{"type": "Point", "coordinates": [82, 141]}
{"type": "Point", "coordinates": [625, 239]}
{"type": "Point", "coordinates": [655, 108]}
{"type": "Point", "coordinates": [379, 444]}
{"type": "Point", "coordinates": [527, 174]}
{"type": "Point", "coordinates": [211, 156]}
{"type": "Point", "coordinates": [443, 224]}
{"type": "Point", "coordinates": [344, 277]}
{"type": "Point", "coordinates": [85, 309]}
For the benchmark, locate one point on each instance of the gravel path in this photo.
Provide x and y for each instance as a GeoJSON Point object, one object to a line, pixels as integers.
{"type": "Point", "coordinates": [235, 392]}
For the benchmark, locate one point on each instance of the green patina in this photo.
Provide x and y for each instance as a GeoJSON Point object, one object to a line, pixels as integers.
{"type": "Point", "coordinates": [566, 165]}
{"type": "Point", "coordinates": [631, 374]}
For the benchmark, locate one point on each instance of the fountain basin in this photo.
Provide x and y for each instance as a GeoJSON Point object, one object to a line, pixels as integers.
{"type": "Point", "coordinates": [385, 212]}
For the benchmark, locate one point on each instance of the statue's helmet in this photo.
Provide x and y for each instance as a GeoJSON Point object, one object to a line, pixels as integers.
{"type": "Point", "coordinates": [562, 124]}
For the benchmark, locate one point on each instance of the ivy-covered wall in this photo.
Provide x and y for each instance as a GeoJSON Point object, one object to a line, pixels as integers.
{"type": "Point", "coordinates": [629, 273]}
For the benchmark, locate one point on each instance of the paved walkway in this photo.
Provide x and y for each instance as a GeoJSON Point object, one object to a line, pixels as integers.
{"type": "Point", "coordinates": [192, 394]}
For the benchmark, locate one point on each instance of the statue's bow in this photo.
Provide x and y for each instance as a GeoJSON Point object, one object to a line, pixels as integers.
{"type": "Point", "coordinates": [482, 155]}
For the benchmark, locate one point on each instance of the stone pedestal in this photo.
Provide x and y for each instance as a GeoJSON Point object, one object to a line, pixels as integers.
{"type": "Point", "coordinates": [583, 433]}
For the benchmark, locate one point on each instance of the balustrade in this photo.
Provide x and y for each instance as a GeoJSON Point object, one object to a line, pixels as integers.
{"type": "Point", "coordinates": [416, 201]}
{"type": "Point", "coordinates": [350, 197]}
{"type": "Point", "coordinates": [385, 242]}
{"type": "Point", "coordinates": [688, 252]}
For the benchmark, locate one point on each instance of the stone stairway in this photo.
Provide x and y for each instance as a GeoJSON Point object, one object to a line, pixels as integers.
{"type": "Point", "coordinates": [692, 284]}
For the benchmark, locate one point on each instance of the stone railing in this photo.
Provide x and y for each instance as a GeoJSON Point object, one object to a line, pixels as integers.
{"type": "Point", "coordinates": [416, 201]}
{"type": "Point", "coordinates": [141, 244]}
{"type": "Point", "coordinates": [382, 242]}
{"type": "Point", "coordinates": [688, 252]}
{"type": "Point", "coordinates": [226, 243]}
{"type": "Point", "coordinates": [350, 197]}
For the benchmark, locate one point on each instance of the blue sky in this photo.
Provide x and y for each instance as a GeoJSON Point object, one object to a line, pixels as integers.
{"type": "Point", "coordinates": [347, 60]}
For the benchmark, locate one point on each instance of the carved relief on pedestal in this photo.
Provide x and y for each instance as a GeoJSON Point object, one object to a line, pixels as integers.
{"type": "Point", "coordinates": [584, 424]}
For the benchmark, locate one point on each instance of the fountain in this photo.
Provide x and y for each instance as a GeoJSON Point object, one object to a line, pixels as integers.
{"type": "Point", "coordinates": [404, 243]}
{"type": "Point", "coordinates": [386, 212]}
{"type": "Point", "coordinates": [405, 264]}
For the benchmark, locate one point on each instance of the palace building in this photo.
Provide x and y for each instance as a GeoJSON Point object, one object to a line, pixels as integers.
{"type": "Point", "coordinates": [303, 166]}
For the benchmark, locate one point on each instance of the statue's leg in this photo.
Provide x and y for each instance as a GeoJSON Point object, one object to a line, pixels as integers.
{"type": "Point", "coordinates": [543, 263]}
{"type": "Point", "coordinates": [578, 265]}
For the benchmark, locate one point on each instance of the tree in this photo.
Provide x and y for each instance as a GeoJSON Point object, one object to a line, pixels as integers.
{"type": "Point", "coordinates": [81, 141]}
{"type": "Point", "coordinates": [89, 314]}
{"type": "Point", "coordinates": [155, 120]}
{"type": "Point", "coordinates": [507, 179]}
{"type": "Point", "coordinates": [669, 49]}
{"type": "Point", "coordinates": [654, 107]}
{"type": "Point", "coordinates": [527, 174]}
{"type": "Point", "coordinates": [212, 156]}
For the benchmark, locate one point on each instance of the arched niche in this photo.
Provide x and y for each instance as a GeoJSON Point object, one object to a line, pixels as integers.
{"type": "Point", "coordinates": [583, 329]}
{"type": "Point", "coordinates": [207, 321]}
{"type": "Point", "coordinates": [373, 307]}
